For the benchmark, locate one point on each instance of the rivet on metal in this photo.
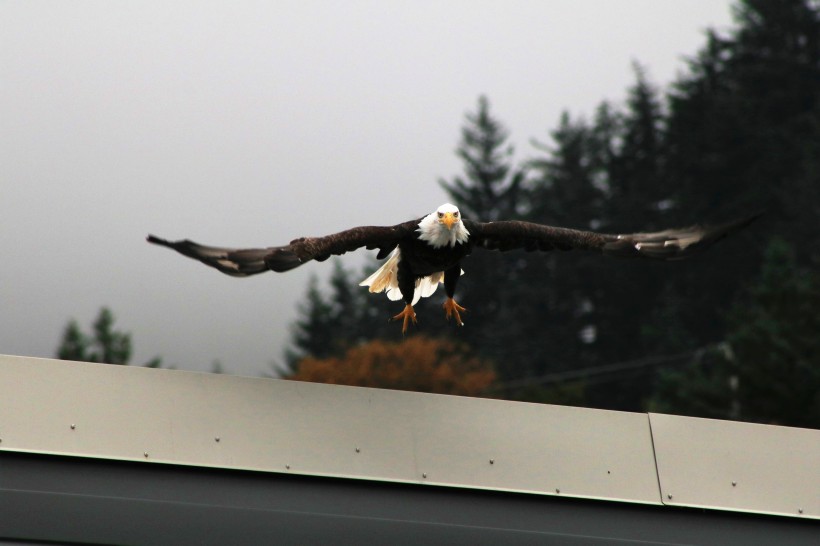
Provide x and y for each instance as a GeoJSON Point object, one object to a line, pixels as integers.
{"type": "Point", "coordinates": [424, 475]}
{"type": "Point", "coordinates": [73, 426]}
{"type": "Point", "coordinates": [287, 466]}
{"type": "Point", "coordinates": [557, 491]}
{"type": "Point", "coordinates": [669, 496]}
{"type": "Point", "coordinates": [608, 472]}
{"type": "Point", "coordinates": [734, 484]}
{"type": "Point", "coordinates": [358, 450]}
{"type": "Point", "coordinates": [492, 461]}
{"type": "Point", "coordinates": [799, 510]}
{"type": "Point", "coordinates": [216, 439]}
{"type": "Point", "coordinates": [145, 454]}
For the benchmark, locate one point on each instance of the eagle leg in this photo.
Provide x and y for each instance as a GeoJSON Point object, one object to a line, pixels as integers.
{"type": "Point", "coordinates": [451, 308]}
{"type": "Point", "coordinates": [408, 315]}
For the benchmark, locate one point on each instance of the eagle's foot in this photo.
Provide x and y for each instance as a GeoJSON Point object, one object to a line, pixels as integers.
{"type": "Point", "coordinates": [451, 308]}
{"type": "Point", "coordinates": [408, 315]}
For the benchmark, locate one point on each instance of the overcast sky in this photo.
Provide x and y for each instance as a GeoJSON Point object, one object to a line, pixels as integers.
{"type": "Point", "coordinates": [252, 123]}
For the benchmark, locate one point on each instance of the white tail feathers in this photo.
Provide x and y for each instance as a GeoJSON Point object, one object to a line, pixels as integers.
{"type": "Point", "coordinates": [385, 279]}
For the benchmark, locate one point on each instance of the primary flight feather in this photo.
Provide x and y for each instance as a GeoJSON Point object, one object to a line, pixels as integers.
{"type": "Point", "coordinates": [425, 252]}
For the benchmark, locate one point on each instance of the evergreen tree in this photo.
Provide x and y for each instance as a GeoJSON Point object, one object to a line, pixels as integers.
{"type": "Point", "coordinates": [493, 186]}
{"type": "Point", "coordinates": [739, 132]}
{"type": "Point", "coordinates": [316, 332]}
{"type": "Point", "coordinates": [769, 368]}
{"type": "Point", "coordinates": [490, 189]}
{"type": "Point", "coordinates": [743, 136]}
{"type": "Point", "coordinates": [555, 295]}
{"type": "Point", "coordinates": [605, 177]}
{"type": "Point", "coordinates": [629, 292]}
{"type": "Point", "coordinates": [105, 344]}
{"type": "Point", "coordinates": [776, 350]}
{"type": "Point", "coordinates": [566, 184]}
{"type": "Point", "coordinates": [330, 324]}
{"type": "Point", "coordinates": [636, 189]}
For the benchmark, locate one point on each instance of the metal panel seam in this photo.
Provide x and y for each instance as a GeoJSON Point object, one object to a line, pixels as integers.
{"type": "Point", "coordinates": [655, 458]}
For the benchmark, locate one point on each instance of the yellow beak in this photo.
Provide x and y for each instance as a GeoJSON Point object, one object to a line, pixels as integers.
{"type": "Point", "coordinates": [449, 220]}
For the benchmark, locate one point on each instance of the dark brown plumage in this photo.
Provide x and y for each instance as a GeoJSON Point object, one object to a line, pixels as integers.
{"type": "Point", "coordinates": [429, 250]}
{"type": "Point", "coordinates": [243, 262]}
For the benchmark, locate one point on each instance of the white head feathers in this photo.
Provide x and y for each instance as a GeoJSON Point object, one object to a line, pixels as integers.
{"type": "Point", "coordinates": [443, 227]}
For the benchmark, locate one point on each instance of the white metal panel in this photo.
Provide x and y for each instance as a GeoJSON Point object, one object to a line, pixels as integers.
{"type": "Point", "coordinates": [131, 413]}
{"type": "Point", "coordinates": [737, 466]}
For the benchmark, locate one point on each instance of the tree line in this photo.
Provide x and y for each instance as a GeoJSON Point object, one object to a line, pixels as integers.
{"type": "Point", "coordinates": [729, 334]}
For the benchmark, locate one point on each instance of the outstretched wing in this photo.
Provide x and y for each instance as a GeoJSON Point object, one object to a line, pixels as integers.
{"type": "Point", "coordinates": [242, 262]}
{"type": "Point", "coordinates": [671, 244]}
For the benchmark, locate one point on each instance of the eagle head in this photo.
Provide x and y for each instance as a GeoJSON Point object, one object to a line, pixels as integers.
{"type": "Point", "coordinates": [443, 227]}
{"type": "Point", "coordinates": [448, 215]}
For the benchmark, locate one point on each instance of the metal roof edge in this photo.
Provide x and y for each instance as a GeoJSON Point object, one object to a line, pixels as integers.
{"type": "Point", "coordinates": [738, 466]}
{"type": "Point", "coordinates": [200, 419]}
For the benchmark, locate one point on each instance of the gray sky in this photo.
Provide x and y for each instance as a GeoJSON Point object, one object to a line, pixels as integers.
{"type": "Point", "coordinates": [252, 123]}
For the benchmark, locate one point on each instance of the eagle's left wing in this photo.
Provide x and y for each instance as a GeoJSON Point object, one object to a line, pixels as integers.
{"type": "Point", "coordinates": [242, 262]}
{"type": "Point", "coordinates": [670, 244]}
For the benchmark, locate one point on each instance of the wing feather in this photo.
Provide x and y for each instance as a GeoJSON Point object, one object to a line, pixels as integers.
{"type": "Point", "coordinates": [243, 262]}
{"type": "Point", "coordinates": [384, 238]}
{"type": "Point", "coordinates": [671, 244]}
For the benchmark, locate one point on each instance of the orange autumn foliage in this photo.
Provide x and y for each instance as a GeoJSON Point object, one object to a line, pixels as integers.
{"type": "Point", "coordinates": [417, 363]}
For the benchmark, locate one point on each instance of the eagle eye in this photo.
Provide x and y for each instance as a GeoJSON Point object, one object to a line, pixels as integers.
{"type": "Point", "coordinates": [441, 215]}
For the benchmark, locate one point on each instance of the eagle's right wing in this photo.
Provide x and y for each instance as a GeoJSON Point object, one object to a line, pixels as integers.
{"type": "Point", "coordinates": [242, 262]}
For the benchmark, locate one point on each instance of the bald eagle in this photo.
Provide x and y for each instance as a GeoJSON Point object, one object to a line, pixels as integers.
{"type": "Point", "coordinates": [423, 253]}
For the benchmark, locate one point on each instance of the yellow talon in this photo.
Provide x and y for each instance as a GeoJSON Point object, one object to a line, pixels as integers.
{"type": "Point", "coordinates": [408, 314]}
{"type": "Point", "coordinates": [451, 308]}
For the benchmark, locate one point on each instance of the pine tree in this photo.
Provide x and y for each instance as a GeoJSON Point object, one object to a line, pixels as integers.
{"type": "Point", "coordinates": [490, 189]}
{"type": "Point", "coordinates": [105, 344]}
{"type": "Point", "coordinates": [555, 294]}
{"type": "Point", "coordinates": [773, 336]}
{"type": "Point", "coordinates": [628, 153]}
{"type": "Point", "coordinates": [317, 331]}
{"type": "Point", "coordinates": [493, 186]}
{"type": "Point", "coordinates": [744, 135]}
{"type": "Point", "coordinates": [737, 133]}
{"type": "Point", "coordinates": [347, 316]}
{"type": "Point", "coordinates": [769, 368]}
{"type": "Point", "coordinates": [566, 188]}
{"type": "Point", "coordinates": [636, 190]}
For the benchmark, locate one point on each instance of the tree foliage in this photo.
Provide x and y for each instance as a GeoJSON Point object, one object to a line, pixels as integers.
{"type": "Point", "coordinates": [768, 370]}
{"type": "Point", "coordinates": [491, 187]}
{"type": "Point", "coordinates": [418, 363]}
{"type": "Point", "coordinates": [104, 344]}
{"type": "Point", "coordinates": [330, 324]}
{"type": "Point", "coordinates": [737, 133]}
